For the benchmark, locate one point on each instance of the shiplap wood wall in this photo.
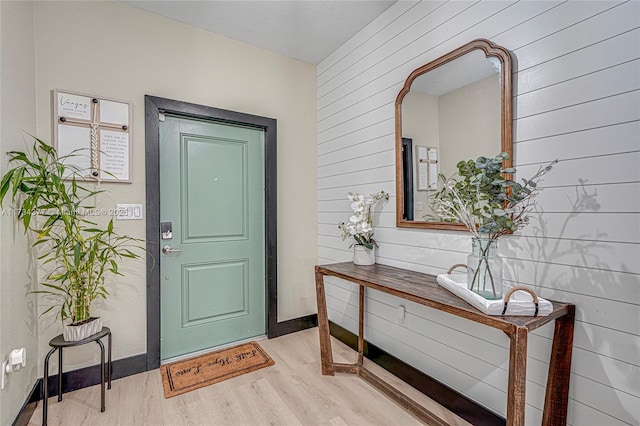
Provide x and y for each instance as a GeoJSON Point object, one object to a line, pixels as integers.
{"type": "Point", "coordinates": [576, 98]}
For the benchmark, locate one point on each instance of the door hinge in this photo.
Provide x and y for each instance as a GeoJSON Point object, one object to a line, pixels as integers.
{"type": "Point", "coordinates": [161, 116]}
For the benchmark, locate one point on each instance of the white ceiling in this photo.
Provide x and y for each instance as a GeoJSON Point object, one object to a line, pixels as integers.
{"type": "Point", "coordinates": [308, 30]}
{"type": "Point", "coordinates": [462, 71]}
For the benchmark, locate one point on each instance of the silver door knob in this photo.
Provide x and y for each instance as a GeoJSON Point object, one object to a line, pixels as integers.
{"type": "Point", "coordinates": [169, 250]}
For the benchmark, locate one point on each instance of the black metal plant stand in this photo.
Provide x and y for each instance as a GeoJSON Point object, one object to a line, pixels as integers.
{"type": "Point", "coordinates": [57, 344]}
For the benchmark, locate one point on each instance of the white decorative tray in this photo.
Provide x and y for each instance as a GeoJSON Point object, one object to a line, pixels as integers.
{"type": "Point", "coordinates": [520, 303]}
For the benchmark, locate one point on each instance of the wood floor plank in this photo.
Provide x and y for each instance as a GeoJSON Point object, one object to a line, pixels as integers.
{"type": "Point", "coordinates": [292, 392]}
{"type": "Point", "coordinates": [269, 409]}
{"type": "Point", "coordinates": [336, 421]}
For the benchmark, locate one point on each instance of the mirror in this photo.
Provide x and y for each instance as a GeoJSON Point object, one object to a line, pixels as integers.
{"type": "Point", "coordinates": [454, 108]}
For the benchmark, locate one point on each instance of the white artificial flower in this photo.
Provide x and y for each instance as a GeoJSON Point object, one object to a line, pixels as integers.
{"type": "Point", "coordinates": [359, 225]}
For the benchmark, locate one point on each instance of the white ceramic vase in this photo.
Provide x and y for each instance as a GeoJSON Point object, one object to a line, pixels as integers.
{"type": "Point", "coordinates": [364, 256]}
{"type": "Point", "coordinates": [74, 333]}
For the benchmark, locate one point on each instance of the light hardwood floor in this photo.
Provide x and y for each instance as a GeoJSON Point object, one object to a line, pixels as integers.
{"type": "Point", "coordinates": [292, 392]}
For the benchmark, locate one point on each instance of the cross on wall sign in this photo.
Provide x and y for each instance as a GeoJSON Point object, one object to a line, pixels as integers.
{"type": "Point", "coordinates": [93, 133]}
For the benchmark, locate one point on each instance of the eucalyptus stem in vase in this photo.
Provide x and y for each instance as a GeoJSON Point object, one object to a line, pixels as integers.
{"type": "Point", "coordinates": [485, 199]}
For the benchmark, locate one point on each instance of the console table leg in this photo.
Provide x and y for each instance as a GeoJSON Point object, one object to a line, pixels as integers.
{"type": "Point", "coordinates": [361, 327]}
{"type": "Point", "coordinates": [45, 401]}
{"type": "Point", "coordinates": [557, 393]}
{"type": "Point", "coordinates": [517, 378]}
{"type": "Point", "coordinates": [326, 355]}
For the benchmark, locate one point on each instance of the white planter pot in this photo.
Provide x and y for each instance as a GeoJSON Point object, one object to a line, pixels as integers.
{"type": "Point", "coordinates": [74, 333]}
{"type": "Point", "coordinates": [363, 256]}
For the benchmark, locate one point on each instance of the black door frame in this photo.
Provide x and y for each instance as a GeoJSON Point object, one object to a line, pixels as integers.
{"type": "Point", "coordinates": [154, 106]}
{"type": "Point", "coordinates": [407, 178]}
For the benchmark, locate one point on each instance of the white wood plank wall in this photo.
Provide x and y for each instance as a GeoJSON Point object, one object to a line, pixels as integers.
{"type": "Point", "coordinates": [577, 98]}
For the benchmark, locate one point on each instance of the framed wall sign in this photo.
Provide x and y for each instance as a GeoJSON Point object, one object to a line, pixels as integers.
{"type": "Point", "coordinates": [94, 133]}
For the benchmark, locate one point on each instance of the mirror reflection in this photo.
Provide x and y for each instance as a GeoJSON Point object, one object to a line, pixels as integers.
{"type": "Point", "coordinates": [449, 112]}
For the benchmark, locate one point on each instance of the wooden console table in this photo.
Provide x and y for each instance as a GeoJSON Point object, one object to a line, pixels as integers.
{"type": "Point", "coordinates": [424, 289]}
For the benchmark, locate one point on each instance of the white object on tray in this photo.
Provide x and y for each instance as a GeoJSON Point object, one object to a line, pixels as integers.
{"type": "Point", "coordinates": [520, 302]}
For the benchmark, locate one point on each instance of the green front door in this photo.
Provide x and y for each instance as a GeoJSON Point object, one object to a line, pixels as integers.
{"type": "Point", "coordinates": [212, 267]}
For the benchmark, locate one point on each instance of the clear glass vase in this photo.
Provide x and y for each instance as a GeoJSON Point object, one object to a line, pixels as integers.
{"type": "Point", "coordinates": [484, 269]}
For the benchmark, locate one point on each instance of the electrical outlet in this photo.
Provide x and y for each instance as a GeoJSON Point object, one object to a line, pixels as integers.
{"type": "Point", "coordinates": [402, 315]}
{"type": "Point", "coordinates": [5, 376]}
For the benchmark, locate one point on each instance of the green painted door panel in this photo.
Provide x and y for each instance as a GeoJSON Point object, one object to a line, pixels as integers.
{"type": "Point", "coordinates": [212, 190]}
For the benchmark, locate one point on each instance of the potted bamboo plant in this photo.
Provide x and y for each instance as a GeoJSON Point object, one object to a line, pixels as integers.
{"type": "Point", "coordinates": [53, 205]}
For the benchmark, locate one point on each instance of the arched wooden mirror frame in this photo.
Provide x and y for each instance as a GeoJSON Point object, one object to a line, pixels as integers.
{"type": "Point", "coordinates": [490, 50]}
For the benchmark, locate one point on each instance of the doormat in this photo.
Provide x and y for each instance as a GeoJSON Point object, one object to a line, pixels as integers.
{"type": "Point", "coordinates": [184, 376]}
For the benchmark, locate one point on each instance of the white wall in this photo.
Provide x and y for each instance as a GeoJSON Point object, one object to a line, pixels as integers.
{"type": "Point", "coordinates": [469, 123]}
{"type": "Point", "coordinates": [420, 123]}
{"type": "Point", "coordinates": [576, 98]}
{"type": "Point", "coordinates": [18, 314]}
{"type": "Point", "coordinates": [110, 49]}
